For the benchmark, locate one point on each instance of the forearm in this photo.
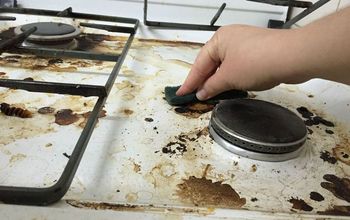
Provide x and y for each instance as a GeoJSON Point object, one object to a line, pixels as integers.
{"type": "Point", "coordinates": [322, 49]}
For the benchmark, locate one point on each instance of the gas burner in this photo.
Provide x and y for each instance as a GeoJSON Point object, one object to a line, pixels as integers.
{"type": "Point", "coordinates": [258, 129]}
{"type": "Point", "coordinates": [50, 35]}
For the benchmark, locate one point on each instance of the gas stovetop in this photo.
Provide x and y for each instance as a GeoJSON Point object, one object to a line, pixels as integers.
{"type": "Point", "coordinates": [144, 155]}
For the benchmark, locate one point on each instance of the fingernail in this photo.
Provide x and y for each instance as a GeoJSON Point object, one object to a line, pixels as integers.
{"type": "Point", "coordinates": [201, 94]}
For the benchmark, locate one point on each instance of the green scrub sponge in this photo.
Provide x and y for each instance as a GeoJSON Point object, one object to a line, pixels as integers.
{"type": "Point", "coordinates": [173, 99]}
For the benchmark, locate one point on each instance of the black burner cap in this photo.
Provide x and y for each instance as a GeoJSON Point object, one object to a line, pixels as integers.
{"type": "Point", "coordinates": [258, 126]}
{"type": "Point", "coordinates": [49, 28]}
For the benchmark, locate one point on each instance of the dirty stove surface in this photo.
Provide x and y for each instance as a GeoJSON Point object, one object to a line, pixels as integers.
{"type": "Point", "coordinates": [145, 154]}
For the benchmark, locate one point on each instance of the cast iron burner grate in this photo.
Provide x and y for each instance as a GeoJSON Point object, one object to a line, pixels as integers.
{"type": "Point", "coordinates": [309, 8]}
{"type": "Point", "coordinates": [48, 195]}
{"type": "Point", "coordinates": [258, 129]}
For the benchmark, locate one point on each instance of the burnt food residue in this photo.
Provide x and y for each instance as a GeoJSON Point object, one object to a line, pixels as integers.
{"type": "Point", "coordinates": [194, 110]}
{"type": "Point", "coordinates": [179, 145]}
{"type": "Point", "coordinates": [311, 119]}
{"type": "Point", "coordinates": [300, 204]}
{"type": "Point", "coordinates": [9, 110]}
{"type": "Point", "coordinates": [149, 119]}
{"type": "Point", "coordinates": [316, 196]}
{"type": "Point", "coordinates": [65, 117]}
{"type": "Point", "coordinates": [174, 148]}
{"type": "Point", "coordinates": [205, 192]}
{"type": "Point", "coordinates": [327, 157]}
{"type": "Point", "coordinates": [340, 187]}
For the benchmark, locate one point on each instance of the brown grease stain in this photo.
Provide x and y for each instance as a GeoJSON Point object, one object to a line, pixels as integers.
{"type": "Point", "coordinates": [46, 110]}
{"type": "Point", "coordinates": [300, 204]}
{"type": "Point", "coordinates": [2, 73]}
{"type": "Point", "coordinates": [342, 154]}
{"type": "Point", "coordinates": [86, 115]}
{"type": "Point", "coordinates": [254, 168]}
{"type": "Point", "coordinates": [17, 157]}
{"type": "Point", "coordinates": [66, 117]}
{"type": "Point", "coordinates": [101, 206]}
{"type": "Point", "coordinates": [161, 174]}
{"type": "Point", "coordinates": [340, 210]}
{"type": "Point", "coordinates": [127, 112]}
{"type": "Point", "coordinates": [340, 187]}
{"type": "Point", "coordinates": [136, 208]}
{"type": "Point", "coordinates": [137, 167]}
{"type": "Point", "coordinates": [205, 192]}
{"type": "Point", "coordinates": [194, 110]}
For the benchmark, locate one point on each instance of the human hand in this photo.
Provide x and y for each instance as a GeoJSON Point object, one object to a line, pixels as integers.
{"type": "Point", "coordinates": [244, 58]}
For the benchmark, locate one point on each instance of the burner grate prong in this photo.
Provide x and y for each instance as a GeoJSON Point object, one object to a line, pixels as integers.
{"type": "Point", "coordinates": [54, 87]}
{"type": "Point", "coordinates": [9, 43]}
{"type": "Point", "coordinates": [7, 18]}
{"type": "Point", "coordinates": [109, 28]}
{"type": "Point", "coordinates": [66, 12]}
{"type": "Point", "coordinates": [217, 15]}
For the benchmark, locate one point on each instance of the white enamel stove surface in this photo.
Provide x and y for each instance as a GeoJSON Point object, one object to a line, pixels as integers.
{"type": "Point", "coordinates": [124, 163]}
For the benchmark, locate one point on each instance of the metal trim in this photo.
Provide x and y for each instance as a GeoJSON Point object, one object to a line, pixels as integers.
{"type": "Point", "coordinates": [251, 154]}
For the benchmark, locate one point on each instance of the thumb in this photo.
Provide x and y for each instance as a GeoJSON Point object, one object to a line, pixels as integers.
{"type": "Point", "coordinates": [215, 84]}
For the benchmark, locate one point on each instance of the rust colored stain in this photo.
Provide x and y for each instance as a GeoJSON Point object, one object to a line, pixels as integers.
{"type": "Point", "coordinates": [316, 196]}
{"type": "Point", "coordinates": [340, 187]}
{"type": "Point", "coordinates": [65, 117]}
{"type": "Point", "coordinates": [14, 111]}
{"type": "Point", "coordinates": [342, 154]}
{"type": "Point", "coordinates": [194, 110]}
{"type": "Point", "coordinates": [136, 208]}
{"type": "Point", "coordinates": [341, 210]}
{"type": "Point", "coordinates": [2, 73]}
{"type": "Point", "coordinates": [327, 157]}
{"type": "Point", "coordinates": [127, 112]}
{"type": "Point", "coordinates": [86, 115]}
{"type": "Point", "coordinates": [137, 167]}
{"type": "Point", "coordinates": [254, 168]}
{"type": "Point", "coordinates": [300, 204]}
{"type": "Point", "coordinates": [203, 132]}
{"type": "Point", "coordinates": [205, 192]}
{"type": "Point", "coordinates": [46, 110]}
{"type": "Point", "coordinates": [101, 206]}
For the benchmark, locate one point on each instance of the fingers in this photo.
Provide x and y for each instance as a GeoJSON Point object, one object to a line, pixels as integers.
{"type": "Point", "coordinates": [204, 66]}
{"type": "Point", "coordinates": [216, 84]}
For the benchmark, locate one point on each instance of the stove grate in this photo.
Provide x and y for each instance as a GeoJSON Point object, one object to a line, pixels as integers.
{"type": "Point", "coordinates": [48, 195]}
